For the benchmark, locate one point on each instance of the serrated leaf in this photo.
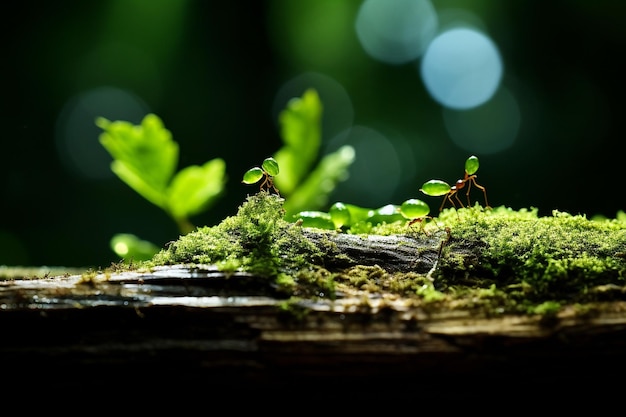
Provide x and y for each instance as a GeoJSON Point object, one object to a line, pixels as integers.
{"type": "Point", "coordinates": [195, 188]}
{"type": "Point", "coordinates": [135, 181]}
{"type": "Point", "coordinates": [301, 133]}
{"type": "Point", "coordinates": [313, 193]}
{"type": "Point", "coordinates": [145, 156]}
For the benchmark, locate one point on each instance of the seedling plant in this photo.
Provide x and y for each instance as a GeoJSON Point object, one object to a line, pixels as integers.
{"type": "Point", "coordinates": [145, 157]}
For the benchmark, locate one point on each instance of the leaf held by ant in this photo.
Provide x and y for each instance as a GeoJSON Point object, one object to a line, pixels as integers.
{"type": "Point", "coordinates": [414, 208]}
{"type": "Point", "coordinates": [253, 175]}
{"type": "Point", "coordinates": [435, 188]}
{"type": "Point", "coordinates": [471, 165]}
{"type": "Point", "coordinates": [270, 166]}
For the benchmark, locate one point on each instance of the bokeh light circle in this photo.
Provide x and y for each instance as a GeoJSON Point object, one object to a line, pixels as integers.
{"type": "Point", "coordinates": [337, 110]}
{"type": "Point", "coordinates": [487, 129]}
{"type": "Point", "coordinates": [376, 171]}
{"type": "Point", "coordinates": [77, 134]}
{"type": "Point", "coordinates": [461, 68]}
{"type": "Point", "coordinates": [396, 31]}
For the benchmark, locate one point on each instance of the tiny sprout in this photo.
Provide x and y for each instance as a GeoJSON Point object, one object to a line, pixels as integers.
{"type": "Point", "coordinates": [339, 214]}
{"type": "Point", "coordinates": [438, 187]}
{"type": "Point", "coordinates": [314, 218]}
{"type": "Point", "coordinates": [268, 170]}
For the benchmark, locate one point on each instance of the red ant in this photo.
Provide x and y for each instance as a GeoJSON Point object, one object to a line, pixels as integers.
{"type": "Point", "coordinates": [438, 187]}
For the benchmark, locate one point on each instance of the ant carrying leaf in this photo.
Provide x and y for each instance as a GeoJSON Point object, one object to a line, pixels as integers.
{"type": "Point", "coordinates": [437, 188]}
{"type": "Point", "coordinates": [416, 211]}
{"type": "Point", "coordinates": [266, 171]}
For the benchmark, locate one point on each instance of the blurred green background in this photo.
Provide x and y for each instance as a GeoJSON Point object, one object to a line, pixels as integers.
{"type": "Point", "coordinates": [535, 89]}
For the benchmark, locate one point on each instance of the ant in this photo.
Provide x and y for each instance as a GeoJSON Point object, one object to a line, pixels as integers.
{"type": "Point", "coordinates": [438, 187]}
{"type": "Point", "coordinates": [416, 211]}
{"type": "Point", "coordinates": [268, 169]}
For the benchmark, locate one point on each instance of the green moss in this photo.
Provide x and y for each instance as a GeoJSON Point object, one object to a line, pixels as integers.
{"type": "Point", "coordinates": [547, 308]}
{"type": "Point", "coordinates": [256, 240]}
{"type": "Point", "coordinates": [498, 260]}
{"type": "Point", "coordinates": [561, 257]}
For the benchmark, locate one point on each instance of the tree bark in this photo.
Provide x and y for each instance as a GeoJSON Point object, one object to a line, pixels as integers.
{"type": "Point", "coordinates": [394, 253]}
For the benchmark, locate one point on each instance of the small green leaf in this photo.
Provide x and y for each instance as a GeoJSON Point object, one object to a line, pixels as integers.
{"type": "Point", "coordinates": [471, 165]}
{"type": "Point", "coordinates": [339, 214]}
{"type": "Point", "coordinates": [358, 214]}
{"type": "Point", "coordinates": [145, 157]}
{"type": "Point", "coordinates": [435, 188]}
{"type": "Point", "coordinates": [389, 213]}
{"type": "Point", "coordinates": [271, 166]}
{"type": "Point", "coordinates": [253, 175]}
{"type": "Point", "coordinates": [414, 209]}
{"type": "Point", "coordinates": [314, 218]}
{"type": "Point", "coordinates": [129, 247]}
{"type": "Point", "coordinates": [313, 193]}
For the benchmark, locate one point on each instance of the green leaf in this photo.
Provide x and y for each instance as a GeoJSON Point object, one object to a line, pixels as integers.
{"type": "Point", "coordinates": [253, 175]}
{"type": "Point", "coordinates": [358, 213]}
{"type": "Point", "coordinates": [136, 181]}
{"type": "Point", "coordinates": [195, 188]}
{"type": "Point", "coordinates": [271, 166]}
{"type": "Point", "coordinates": [414, 208]}
{"type": "Point", "coordinates": [389, 213]}
{"type": "Point", "coordinates": [435, 188]}
{"type": "Point", "coordinates": [129, 247]}
{"type": "Point", "coordinates": [314, 192]}
{"type": "Point", "coordinates": [339, 214]}
{"type": "Point", "coordinates": [301, 132]}
{"type": "Point", "coordinates": [471, 165]}
{"type": "Point", "coordinates": [315, 218]}
{"type": "Point", "coordinates": [144, 156]}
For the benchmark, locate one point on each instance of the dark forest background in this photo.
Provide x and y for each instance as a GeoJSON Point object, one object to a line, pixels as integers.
{"type": "Point", "coordinates": [218, 73]}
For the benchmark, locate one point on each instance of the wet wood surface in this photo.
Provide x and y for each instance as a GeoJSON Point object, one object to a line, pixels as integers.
{"type": "Point", "coordinates": [197, 323]}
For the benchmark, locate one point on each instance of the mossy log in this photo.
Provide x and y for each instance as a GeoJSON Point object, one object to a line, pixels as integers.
{"type": "Point", "coordinates": [238, 330]}
{"type": "Point", "coordinates": [480, 301]}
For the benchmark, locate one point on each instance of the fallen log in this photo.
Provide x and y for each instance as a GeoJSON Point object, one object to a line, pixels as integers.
{"type": "Point", "coordinates": [216, 328]}
{"type": "Point", "coordinates": [237, 328]}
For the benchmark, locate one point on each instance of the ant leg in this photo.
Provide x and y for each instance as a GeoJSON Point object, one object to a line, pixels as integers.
{"type": "Point", "coordinates": [469, 187]}
{"type": "Point", "coordinates": [419, 220]}
{"type": "Point", "coordinates": [458, 200]}
{"type": "Point", "coordinates": [264, 183]}
{"type": "Point", "coordinates": [443, 203]}
{"type": "Point", "coordinates": [484, 192]}
{"type": "Point", "coordinates": [422, 222]}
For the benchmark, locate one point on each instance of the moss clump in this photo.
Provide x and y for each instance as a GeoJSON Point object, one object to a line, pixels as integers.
{"type": "Point", "coordinates": [256, 240]}
{"type": "Point", "coordinates": [497, 260]}
{"type": "Point", "coordinates": [533, 259]}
